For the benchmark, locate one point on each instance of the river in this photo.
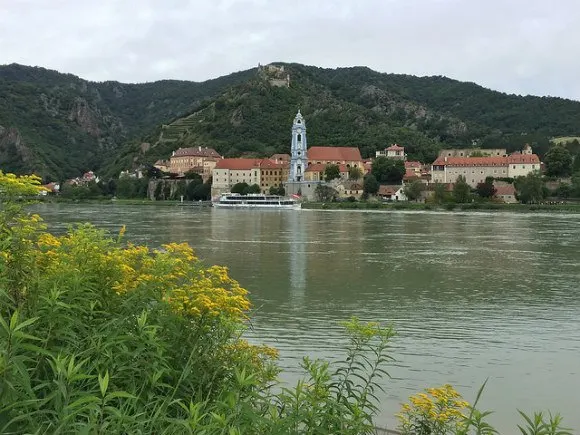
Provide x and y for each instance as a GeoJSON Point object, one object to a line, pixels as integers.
{"type": "Point", "coordinates": [471, 295]}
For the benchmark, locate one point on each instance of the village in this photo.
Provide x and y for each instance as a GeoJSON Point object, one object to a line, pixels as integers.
{"type": "Point", "coordinates": [343, 169]}
{"type": "Point", "coordinates": [332, 173]}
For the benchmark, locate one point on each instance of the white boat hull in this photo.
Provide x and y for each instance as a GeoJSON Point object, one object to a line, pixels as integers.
{"type": "Point", "coordinates": [295, 206]}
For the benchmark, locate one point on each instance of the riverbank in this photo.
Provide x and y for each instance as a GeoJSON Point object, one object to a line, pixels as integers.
{"type": "Point", "coordinates": [475, 206]}
{"type": "Point", "coordinates": [168, 203]}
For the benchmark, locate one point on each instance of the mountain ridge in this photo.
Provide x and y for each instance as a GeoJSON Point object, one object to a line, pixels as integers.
{"type": "Point", "coordinates": [61, 125]}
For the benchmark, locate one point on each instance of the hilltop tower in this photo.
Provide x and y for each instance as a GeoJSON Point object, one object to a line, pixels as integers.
{"type": "Point", "coordinates": [298, 151]}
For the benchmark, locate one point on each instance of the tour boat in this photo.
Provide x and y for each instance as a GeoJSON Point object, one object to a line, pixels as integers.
{"type": "Point", "coordinates": [256, 200]}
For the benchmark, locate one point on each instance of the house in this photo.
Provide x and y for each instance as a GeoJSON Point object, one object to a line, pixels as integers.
{"type": "Point", "coordinates": [265, 173]}
{"type": "Point", "coordinates": [391, 192]}
{"type": "Point", "coordinates": [350, 157]}
{"type": "Point", "coordinates": [162, 165]}
{"type": "Point", "coordinates": [429, 191]}
{"type": "Point", "coordinates": [393, 152]}
{"type": "Point", "coordinates": [315, 172]}
{"type": "Point", "coordinates": [199, 159]}
{"type": "Point", "coordinates": [272, 173]}
{"type": "Point", "coordinates": [477, 169]}
{"type": "Point", "coordinates": [50, 188]}
{"type": "Point", "coordinates": [348, 188]}
{"type": "Point", "coordinates": [505, 192]}
{"type": "Point", "coordinates": [228, 172]}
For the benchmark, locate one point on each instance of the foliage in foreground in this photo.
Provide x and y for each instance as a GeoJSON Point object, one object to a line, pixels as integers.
{"type": "Point", "coordinates": [442, 411]}
{"type": "Point", "coordinates": [102, 336]}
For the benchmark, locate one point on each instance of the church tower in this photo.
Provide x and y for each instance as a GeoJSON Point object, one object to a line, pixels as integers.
{"type": "Point", "coordinates": [299, 160]}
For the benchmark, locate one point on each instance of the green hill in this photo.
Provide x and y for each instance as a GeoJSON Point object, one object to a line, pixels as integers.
{"type": "Point", "coordinates": [59, 125]}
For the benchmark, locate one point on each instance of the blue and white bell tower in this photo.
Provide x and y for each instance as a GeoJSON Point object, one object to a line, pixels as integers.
{"type": "Point", "coordinates": [299, 160]}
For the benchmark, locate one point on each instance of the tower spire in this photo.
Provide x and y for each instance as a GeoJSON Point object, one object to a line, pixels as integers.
{"type": "Point", "coordinates": [299, 148]}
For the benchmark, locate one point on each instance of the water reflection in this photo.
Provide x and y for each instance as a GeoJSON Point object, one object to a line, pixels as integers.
{"type": "Point", "coordinates": [298, 257]}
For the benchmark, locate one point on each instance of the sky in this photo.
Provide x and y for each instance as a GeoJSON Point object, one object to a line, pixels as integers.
{"type": "Point", "coordinates": [514, 46]}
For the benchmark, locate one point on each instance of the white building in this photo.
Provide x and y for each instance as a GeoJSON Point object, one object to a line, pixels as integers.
{"type": "Point", "coordinates": [477, 169]}
{"type": "Point", "coordinates": [393, 152]}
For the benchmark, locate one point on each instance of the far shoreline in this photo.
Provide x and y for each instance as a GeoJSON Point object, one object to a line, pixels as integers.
{"type": "Point", "coordinates": [569, 208]}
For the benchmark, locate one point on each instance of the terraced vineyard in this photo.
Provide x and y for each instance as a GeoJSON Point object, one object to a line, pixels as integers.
{"type": "Point", "coordinates": [178, 129]}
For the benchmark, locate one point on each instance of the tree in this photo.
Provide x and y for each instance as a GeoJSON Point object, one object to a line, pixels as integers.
{"type": "Point", "coordinates": [564, 190]}
{"type": "Point", "coordinates": [191, 188]}
{"type": "Point", "coordinates": [440, 193]}
{"type": "Point", "coordinates": [486, 189]}
{"type": "Point", "coordinates": [576, 163]}
{"type": "Point", "coordinates": [461, 190]}
{"type": "Point", "coordinates": [413, 190]}
{"type": "Point", "coordinates": [530, 189]}
{"type": "Point", "coordinates": [355, 173]}
{"type": "Point", "coordinates": [325, 193]}
{"type": "Point", "coordinates": [388, 170]}
{"type": "Point", "coordinates": [180, 189]}
{"type": "Point", "coordinates": [240, 188]}
{"type": "Point", "coordinates": [558, 161]}
{"type": "Point", "coordinates": [192, 175]}
{"type": "Point", "coordinates": [279, 190]}
{"type": "Point", "coordinates": [370, 185]}
{"type": "Point", "coordinates": [202, 192]}
{"type": "Point", "coordinates": [254, 188]}
{"type": "Point", "coordinates": [331, 172]}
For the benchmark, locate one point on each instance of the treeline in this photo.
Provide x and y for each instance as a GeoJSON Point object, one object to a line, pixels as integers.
{"type": "Point", "coordinates": [192, 189]}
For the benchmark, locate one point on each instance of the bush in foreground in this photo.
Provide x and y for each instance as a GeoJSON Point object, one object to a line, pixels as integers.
{"type": "Point", "coordinates": [102, 336]}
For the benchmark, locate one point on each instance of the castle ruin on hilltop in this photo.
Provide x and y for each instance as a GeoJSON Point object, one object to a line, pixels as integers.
{"type": "Point", "coordinates": [276, 75]}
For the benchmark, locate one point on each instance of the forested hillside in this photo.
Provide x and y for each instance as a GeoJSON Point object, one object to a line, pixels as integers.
{"type": "Point", "coordinates": [59, 125]}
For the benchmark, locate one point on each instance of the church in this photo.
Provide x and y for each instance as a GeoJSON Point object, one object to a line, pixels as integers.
{"type": "Point", "coordinates": [307, 165]}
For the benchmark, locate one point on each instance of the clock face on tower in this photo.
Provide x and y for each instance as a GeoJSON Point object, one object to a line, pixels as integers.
{"type": "Point", "coordinates": [299, 130]}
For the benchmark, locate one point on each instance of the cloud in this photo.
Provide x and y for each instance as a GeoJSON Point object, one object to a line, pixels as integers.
{"type": "Point", "coordinates": [518, 46]}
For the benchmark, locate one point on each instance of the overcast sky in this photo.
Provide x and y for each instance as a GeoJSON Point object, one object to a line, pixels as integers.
{"type": "Point", "coordinates": [516, 46]}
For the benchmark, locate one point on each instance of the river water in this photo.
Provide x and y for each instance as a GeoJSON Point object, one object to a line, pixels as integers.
{"type": "Point", "coordinates": [471, 295]}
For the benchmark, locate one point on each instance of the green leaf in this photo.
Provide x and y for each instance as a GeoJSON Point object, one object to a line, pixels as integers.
{"type": "Point", "coordinates": [104, 383]}
{"type": "Point", "coordinates": [25, 323]}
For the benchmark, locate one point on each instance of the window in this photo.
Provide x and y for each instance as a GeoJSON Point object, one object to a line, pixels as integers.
{"type": "Point", "coordinates": [514, 166]}
{"type": "Point", "coordinates": [533, 166]}
{"type": "Point", "coordinates": [523, 166]}
{"type": "Point", "coordinates": [299, 138]}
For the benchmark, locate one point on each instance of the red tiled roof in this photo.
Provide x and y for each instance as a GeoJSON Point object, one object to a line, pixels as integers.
{"type": "Point", "coordinates": [320, 167]}
{"type": "Point", "coordinates": [270, 164]}
{"type": "Point", "coordinates": [487, 161]}
{"type": "Point", "coordinates": [395, 147]}
{"type": "Point", "coordinates": [506, 189]}
{"type": "Point", "coordinates": [334, 153]}
{"type": "Point", "coordinates": [523, 158]}
{"type": "Point", "coordinates": [196, 151]}
{"type": "Point", "coordinates": [237, 164]}
{"type": "Point", "coordinates": [387, 190]}
{"type": "Point", "coordinates": [410, 174]}
{"type": "Point", "coordinates": [409, 164]}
